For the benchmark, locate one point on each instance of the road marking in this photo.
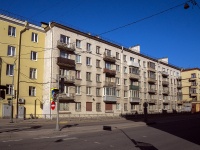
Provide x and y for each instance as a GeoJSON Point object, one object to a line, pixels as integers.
{"type": "Point", "coordinates": [48, 137]}
{"type": "Point", "coordinates": [72, 138]}
{"type": "Point", "coordinates": [97, 143]}
{"type": "Point", "coordinates": [44, 137]}
{"type": "Point", "coordinates": [59, 136]}
{"type": "Point", "coordinates": [12, 140]}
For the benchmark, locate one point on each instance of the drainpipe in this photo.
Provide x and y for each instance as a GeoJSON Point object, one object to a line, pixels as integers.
{"type": "Point", "coordinates": [19, 60]}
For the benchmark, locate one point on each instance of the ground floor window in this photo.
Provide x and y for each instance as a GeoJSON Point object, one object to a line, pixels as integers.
{"type": "Point", "coordinates": [98, 106]}
{"type": "Point", "coordinates": [78, 106]}
{"type": "Point", "coordinates": [64, 106]}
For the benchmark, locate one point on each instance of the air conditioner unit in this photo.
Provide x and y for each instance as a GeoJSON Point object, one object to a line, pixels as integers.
{"type": "Point", "coordinates": [21, 101]}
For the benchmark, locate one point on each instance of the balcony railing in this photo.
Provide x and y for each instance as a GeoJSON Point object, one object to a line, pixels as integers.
{"type": "Point", "coordinates": [193, 85]}
{"type": "Point", "coordinates": [66, 62]}
{"type": "Point", "coordinates": [68, 79]}
{"type": "Point", "coordinates": [151, 68]}
{"type": "Point", "coordinates": [109, 84]}
{"type": "Point", "coordinates": [134, 76]}
{"type": "Point", "coordinates": [193, 94]}
{"type": "Point", "coordinates": [152, 90]}
{"type": "Point", "coordinates": [109, 72]}
{"type": "Point", "coordinates": [193, 78]}
{"type": "Point", "coordinates": [165, 82]}
{"type": "Point", "coordinates": [165, 92]}
{"type": "Point", "coordinates": [108, 57]}
{"type": "Point", "coordinates": [67, 96]}
{"type": "Point", "coordinates": [68, 47]}
{"type": "Point", "coordinates": [134, 99]}
{"type": "Point", "coordinates": [135, 64]}
{"type": "Point", "coordinates": [179, 93]}
{"type": "Point", "coordinates": [152, 80]}
{"type": "Point", "coordinates": [107, 98]}
{"type": "Point", "coordinates": [134, 87]}
{"type": "Point", "coordinates": [179, 85]}
{"type": "Point", "coordinates": [165, 101]}
{"type": "Point", "coordinates": [179, 78]}
{"type": "Point", "coordinates": [152, 100]}
{"type": "Point", "coordinates": [164, 73]}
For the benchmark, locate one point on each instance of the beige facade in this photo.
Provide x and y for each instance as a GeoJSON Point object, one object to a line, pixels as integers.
{"type": "Point", "coordinates": [102, 77]}
{"type": "Point", "coordinates": [191, 90]}
{"type": "Point", "coordinates": [22, 53]}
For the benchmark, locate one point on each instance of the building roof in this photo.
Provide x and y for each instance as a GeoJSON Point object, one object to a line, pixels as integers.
{"type": "Point", "coordinates": [190, 69]}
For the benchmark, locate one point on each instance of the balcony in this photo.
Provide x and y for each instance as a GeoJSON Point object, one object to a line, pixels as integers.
{"type": "Point", "coordinates": [134, 87]}
{"type": "Point", "coordinates": [193, 78]}
{"type": "Point", "coordinates": [68, 47]}
{"type": "Point", "coordinates": [165, 102]}
{"type": "Point", "coordinates": [165, 82]}
{"type": "Point", "coordinates": [107, 98]}
{"type": "Point", "coordinates": [193, 94]}
{"type": "Point", "coordinates": [179, 85]}
{"type": "Point", "coordinates": [108, 57]}
{"type": "Point", "coordinates": [151, 69]}
{"type": "Point", "coordinates": [134, 76]}
{"type": "Point", "coordinates": [179, 93]}
{"type": "Point", "coordinates": [193, 85]}
{"type": "Point", "coordinates": [109, 72]}
{"type": "Point", "coordinates": [68, 79]}
{"type": "Point", "coordinates": [152, 100]}
{"type": "Point", "coordinates": [135, 64]}
{"type": "Point", "coordinates": [165, 92]}
{"type": "Point", "coordinates": [164, 73]}
{"type": "Point", "coordinates": [67, 96]}
{"type": "Point", "coordinates": [152, 90]}
{"type": "Point", "coordinates": [109, 84]}
{"type": "Point", "coordinates": [134, 99]}
{"type": "Point", "coordinates": [179, 102]}
{"type": "Point", "coordinates": [152, 80]}
{"type": "Point", "coordinates": [66, 62]}
{"type": "Point", "coordinates": [179, 78]}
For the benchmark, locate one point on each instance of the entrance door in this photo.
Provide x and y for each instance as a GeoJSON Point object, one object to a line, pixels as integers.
{"type": "Point", "coordinates": [88, 106]}
{"type": "Point", "coordinates": [6, 111]}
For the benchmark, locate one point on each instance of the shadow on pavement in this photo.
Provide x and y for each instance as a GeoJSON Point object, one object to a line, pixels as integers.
{"type": "Point", "coordinates": [69, 126]}
{"type": "Point", "coordinates": [23, 129]}
{"type": "Point", "coordinates": [141, 145]}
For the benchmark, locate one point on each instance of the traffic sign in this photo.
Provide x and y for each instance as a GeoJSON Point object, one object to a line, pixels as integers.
{"type": "Point", "coordinates": [53, 105]}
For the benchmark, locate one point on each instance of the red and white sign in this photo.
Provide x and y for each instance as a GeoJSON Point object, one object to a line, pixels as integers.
{"type": "Point", "coordinates": [53, 105]}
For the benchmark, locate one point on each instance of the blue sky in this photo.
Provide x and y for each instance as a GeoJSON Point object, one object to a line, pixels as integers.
{"type": "Point", "coordinates": [174, 34]}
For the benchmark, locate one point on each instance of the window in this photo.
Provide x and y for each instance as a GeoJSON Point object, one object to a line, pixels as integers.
{"type": "Point", "coordinates": [125, 107]}
{"type": "Point", "coordinates": [33, 55]}
{"type": "Point", "coordinates": [98, 106]}
{"type": "Point", "coordinates": [88, 47]}
{"type": "Point", "coordinates": [133, 107]}
{"type": "Point", "coordinates": [9, 89]}
{"type": "Point", "coordinates": [98, 77]}
{"type": "Point", "coordinates": [88, 90]}
{"type": "Point", "coordinates": [32, 91]}
{"type": "Point", "coordinates": [117, 55]}
{"type": "Point", "coordinates": [11, 31]}
{"type": "Point", "coordinates": [108, 52]}
{"type": "Point", "coordinates": [78, 74]}
{"type": "Point", "coordinates": [98, 50]}
{"type": "Point", "coordinates": [125, 81]}
{"type": "Point", "coordinates": [78, 106]}
{"type": "Point", "coordinates": [118, 93]}
{"type": "Point", "coordinates": [78, 43]}
{"type": "Point", "coordinates": [64, 106]}
{"type": "Point", "coordinates": [33, 73]}
{"type": "Point", "coordinates": [78, 58]}
{"type": "Point", "coordinates": [124, 58]}
{"type": "Point", "coordinates": [132, 59]}
{"type": "Point", "coordinates": [63, 54]}
{"type": "Point", "coordinates": [125, 69]}
{"type": "Point", "coordinates": [144, 64]}
{"type": "Point", "coordinates": [125, 94]}
{"type": "Point", "coordinates": [11, 51]}
{"type": "Point", "coordinates": [10, 70]}
{"type": "Point", "coordinates": [109, 91]}
{"type": "Point", "coordinates": [97, 63]}
{"type": "Point", "coordinates": [118, 68]}
{"type": "Point", "coordinates": [88, 76]}
{"type": "Point", "coordinates": [88, 61]}
{"type": "Point", "coordinates": [108, 65]}
{"type": "Point", "coordinates": [118, 81]}
{"type": "Point", "coordinates": [64, 39]}
{"type": "Point", "coordinates": [34, 37]}
{"type": "Point", "coordinates": [98, 92]}
{"type": "Point", "coordinates": [118, 106]}
{"type": "Point", "coordinates": [139, 62]}
{"type": "Point", "coordinates": [78, 90]}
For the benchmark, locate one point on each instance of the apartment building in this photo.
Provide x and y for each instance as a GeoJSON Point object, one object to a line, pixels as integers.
{"type": "Point", "coordinates": [21, 76]}
{"type": "Point", "coordinates": [191, 89]}
{"type": "Point", "coordinates": [102, 77]}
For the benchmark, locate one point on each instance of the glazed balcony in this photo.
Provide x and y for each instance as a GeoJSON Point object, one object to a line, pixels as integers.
{"type": "Point", "coordinates": [109, 72]}
{"type": "Point", "coordinates": [65, 62]}
{"type": "Point", "coordinates": [68, 79]}
{"type": "Point", "coordinates": [109, 57]}
{"type": "Point", "coordinates": [109, 84]}
{"type": "Point", "coordinates": [134, 99]}
{"type": "Point", "coordinates": [135, 64]}
{"type": "Point", "coordinates": [165, 82]}
{"type": "Point", "coordinates": [150, 68]}
{"type": "Point", "coordinates": [152, 79]}
{"type": "Point", "coordinates": [67, 96]}
{"type": "Point", "coordinates": [134, 76]}
{"type": "Point", "coordinates": [67, 47]}
{"type": "Point", "coordinates": [108, 98]}
{"type": "Point", "coordinates": [134, 87]}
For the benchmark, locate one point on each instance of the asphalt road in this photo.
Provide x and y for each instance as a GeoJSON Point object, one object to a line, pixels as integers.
{"type": "Point", "coordinates": [167, 135]}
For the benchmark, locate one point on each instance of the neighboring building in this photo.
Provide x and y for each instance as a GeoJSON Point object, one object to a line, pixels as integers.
{"type": "Point", "coordinates": [191, 89]}
{"type": "Point", "coordinates": [22, 57]}
{"type": "Point", "coordinates": [103, 77]}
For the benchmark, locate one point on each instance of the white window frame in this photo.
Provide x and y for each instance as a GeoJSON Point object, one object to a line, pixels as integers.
{"type": "Point", "coordinates": [78, 74]}
{"type": "Point", "coordinates": [34, 37]}
{"type": "Point", "coordinates": [11, 50]}
{"type": "Point", "coordinates": [88, 47]}
{"type": "Point", "coordinates": [33, 73]}
{"type": "Point", "coordinates": [118, 106]}
{"type": "Point", "coordinates": [88, 61]}
{"type": "Point", "coordinates": [118, 68]}
{"type": "Point", "coordinates": [98, 49]}
{"type": "Point", "coordinates": [98, 107]}
{"type": "Point", "coordinates": [125, 69]}
{"type": "Point", "coordinates": [78, 58]}
{"type": "Point", "coordinates": [98, 77]}
{"type": "Point", "coordinates": [64, 39]}
{"type": "Point", "coordinates": [78, 106]}
{"type": "Point", "coordinates": [10, 89]}
{"type": "Point", "coordinates": [118, 93]}
{"type": "Point", "coordinates": [78, 43]}
{"type": "Point", "coordinates": [98, 91]}
{"type": "Point", "coordinates": [78, 90]}
{"type": "Point", "coordinates": [33, 54]}
{"type": "Point", "coordinates": [32, 91]}
{"type": "Point", "coordinates": [10, 70]}
{"type": "Point", "coordinates": [12, 31]}
{"type": "Point", "coordinates": [64, 106]}
{"type": "Point", "coordinates": [88, 76]}
{"type": "Point", "coordinates": [88, 90]}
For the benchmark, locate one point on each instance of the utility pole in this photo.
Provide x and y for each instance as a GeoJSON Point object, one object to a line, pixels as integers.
{"type": "Point", "coordinates": [57, 99]}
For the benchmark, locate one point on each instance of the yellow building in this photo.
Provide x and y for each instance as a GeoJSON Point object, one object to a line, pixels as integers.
{"type": "Point", "coordinates": [21, 67]}
{"type": "Point", "coordinates": [191, 88]}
